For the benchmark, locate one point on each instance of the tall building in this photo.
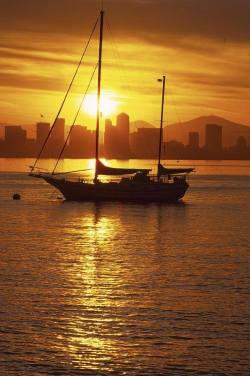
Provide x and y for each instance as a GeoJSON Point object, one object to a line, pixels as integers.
{"type": "Point", "coordinates": [42, 131]}
{"type": "Point", "coordinates": [116, 138]}
{"type": "Point", "coordinates": [213, 138]}
{"type": "Point", "coordinates": [122, 128]}
{"type": "Point", "coordinates": [58, 131]}
{"type": "Point", "coordinates": [193, 140]}
{"type": "Point", "coordinates": [109, 138]}
{"type": "Point", "coordinates": [56, 140]}
{"type": "Point", "coordinates": [15, 143]}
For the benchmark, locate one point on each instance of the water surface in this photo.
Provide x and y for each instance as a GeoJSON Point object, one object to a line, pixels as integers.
{"type": "Point", "coordinates": [125, 289]}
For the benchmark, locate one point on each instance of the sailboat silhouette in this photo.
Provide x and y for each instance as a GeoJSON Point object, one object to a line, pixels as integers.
{"type": "Point", "coordinates": [136, 184]}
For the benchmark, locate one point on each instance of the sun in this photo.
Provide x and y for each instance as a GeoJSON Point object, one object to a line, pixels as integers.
{"type": "Point", "coordinates": [107, 104]}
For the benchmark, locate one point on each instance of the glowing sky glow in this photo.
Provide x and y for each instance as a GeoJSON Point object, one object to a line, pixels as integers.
{"type": "Point", "coordinates": [107, 105]}
{"type": "Point", "coordinates": [201, 46]}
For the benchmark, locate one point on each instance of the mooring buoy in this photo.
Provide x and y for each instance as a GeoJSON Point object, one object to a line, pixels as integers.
{"type": "Point", "coordinates": [16, 196]}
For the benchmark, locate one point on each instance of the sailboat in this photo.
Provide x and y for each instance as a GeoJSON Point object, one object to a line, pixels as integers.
{"type": "Point", "coordinates": [136, 184]}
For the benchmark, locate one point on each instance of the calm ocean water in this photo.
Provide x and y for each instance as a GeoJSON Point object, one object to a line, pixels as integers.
{"type": "Point", "coordinates": [125, 289]}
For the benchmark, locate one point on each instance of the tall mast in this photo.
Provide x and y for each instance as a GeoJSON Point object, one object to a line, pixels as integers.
{"type": "Point", "coordinates": [98, 96]}
{"type": "Point", "coordinates": [161, 126]}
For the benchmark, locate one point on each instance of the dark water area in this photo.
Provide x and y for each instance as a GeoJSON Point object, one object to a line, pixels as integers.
{"type": "Point", "coordinates": [125, 289]}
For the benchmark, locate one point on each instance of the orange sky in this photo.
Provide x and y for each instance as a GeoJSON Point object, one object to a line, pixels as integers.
{"type": "Point", "coordinates": [201, 46]}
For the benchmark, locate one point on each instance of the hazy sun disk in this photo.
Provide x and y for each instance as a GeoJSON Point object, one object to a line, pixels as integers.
{"type": "Point", "coordinates": [107, 104]}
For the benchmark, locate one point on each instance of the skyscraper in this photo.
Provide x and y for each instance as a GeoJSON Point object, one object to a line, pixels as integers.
{"type": "Point", "coordinates": [42, 131]}
{"type": "Point", "coordinates": [122, 125]}
{"type": "Point", "coordinates": [110, 139]}
{"type": "Point", "coordinates": [15, 144]}
{"type": "Point", "coordinates": [213, 138]}
{"type": "Point", "coordinates": [58, 131]}
{"type": "Point", "coordinates": [56, 140]}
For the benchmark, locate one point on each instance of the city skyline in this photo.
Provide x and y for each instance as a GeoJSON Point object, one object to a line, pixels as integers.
{"type": "Point", "coordinates": [197, 125]}
{"type": "Point", "coordinates": [205, 59]}
{"type": "Point", "coordinates": [119, 141]}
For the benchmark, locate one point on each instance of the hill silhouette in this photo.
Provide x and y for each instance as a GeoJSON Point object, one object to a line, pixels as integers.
{"type": "Point", "coordinates": [230, 132]}
{"type": "Point", "coordinates": [134, 125]}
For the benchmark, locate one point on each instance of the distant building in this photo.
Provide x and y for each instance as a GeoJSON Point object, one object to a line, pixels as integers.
{"type": "Point", "coordinates": [16, 143]}
{"type": "Point", "coordinates": [15, 135]}
{"type": "Point", "coordinates": [110, 138]}
{"type": "Point", "coordinates": [116, 138]}
{"type": "Point", "coordinates": [56, 140]}
{"type": "Point", "coordinates": [122, 127]}
{"type": "Point", "coordinates": [145, 143]}
{"type": "Point", "coordinates": [81, 143]}
{"type": "Point", "coordinates": [193, 140]}
{"type": "Point", "coordinates": [213, 138]}
{"type": "Point", "coordinates": [42, 131]}
{"type": "Point", "coordinates": [240, 149]}
{"type": "Point", "coordinates": [58, 131]}
{"type": "Point", "coordinates": [241, 143]}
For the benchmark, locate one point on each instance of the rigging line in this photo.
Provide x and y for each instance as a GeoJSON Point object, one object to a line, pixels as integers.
{"type": "Point", "coordinates": [66, 95]}
{"type": "Point", "coordinates": [38, 168]}
{"type": "Point", "coordinates": [71, 172]}
{"type": "Point", "coordinates": [74, 121]}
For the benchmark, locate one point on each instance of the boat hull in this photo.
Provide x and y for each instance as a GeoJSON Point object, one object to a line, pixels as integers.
{"type": "Point", "coordinates": [150, 192]}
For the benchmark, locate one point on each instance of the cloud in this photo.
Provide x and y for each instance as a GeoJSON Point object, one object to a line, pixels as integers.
{"type": "Point", "coordinates": [202, 46]}
{"type": "Point", "coordinates": [149, 20]}
{"type": "Point", "coordinates": [31, 82]}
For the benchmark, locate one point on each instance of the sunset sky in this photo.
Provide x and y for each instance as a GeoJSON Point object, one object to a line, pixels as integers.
{"type": "Point", "coordinates": [202, 46]}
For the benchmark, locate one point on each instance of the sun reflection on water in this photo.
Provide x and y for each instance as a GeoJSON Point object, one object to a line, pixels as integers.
{"type": "Point", "coordinates": [90, 328]}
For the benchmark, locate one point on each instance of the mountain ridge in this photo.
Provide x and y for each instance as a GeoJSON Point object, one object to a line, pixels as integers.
{"type": "Point", "coordinates": [231, 131]}
{"type": "Point", "coordinates": [134, 125]}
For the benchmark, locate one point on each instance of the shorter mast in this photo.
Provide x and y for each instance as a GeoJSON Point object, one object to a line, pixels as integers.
{"type": "Point", "coordinates": [161, 126]}
{"type": "Point", "coordinates": [98, 97]}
